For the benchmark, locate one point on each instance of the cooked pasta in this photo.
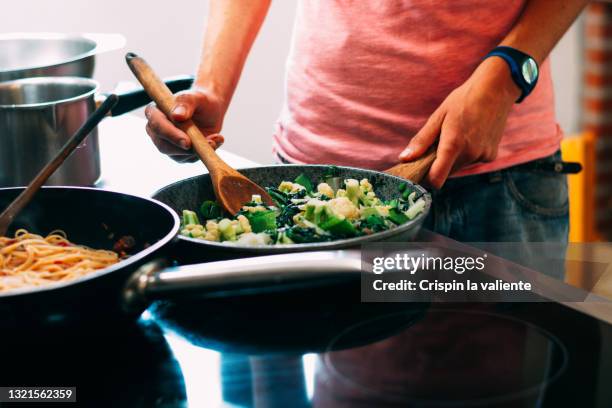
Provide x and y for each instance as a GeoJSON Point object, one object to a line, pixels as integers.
{"type": "Point", "coordinates": [29, 260]}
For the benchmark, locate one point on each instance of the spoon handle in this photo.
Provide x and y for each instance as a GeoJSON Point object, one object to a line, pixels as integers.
{"type": "Point", "coordinates": [9, 214]}
{"type": "Point", "coordinates": [162, 96]}
{"type": "Point", "coordinates": [415, 171]}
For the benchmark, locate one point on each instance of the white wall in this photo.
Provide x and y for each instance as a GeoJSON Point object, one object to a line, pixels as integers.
{"type": "Point", "coordinates": [567, 76]}
{"type": "Point", "coordinates": [168, 35]}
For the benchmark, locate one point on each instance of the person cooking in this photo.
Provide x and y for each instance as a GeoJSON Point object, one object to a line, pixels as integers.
{"type": "Point", "coordinates": [371, 83]}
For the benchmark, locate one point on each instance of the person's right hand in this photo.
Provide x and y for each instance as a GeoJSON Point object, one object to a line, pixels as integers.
{"type": "Point", "coordinates": [205, 109]}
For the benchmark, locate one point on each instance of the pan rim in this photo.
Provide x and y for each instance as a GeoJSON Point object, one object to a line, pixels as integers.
{"type": "Point", "coordinates": [171, 235]}
{"type": "Point", "coordinates": [314, 246]}
{"type": "Point", "coordinates": [46, 80]}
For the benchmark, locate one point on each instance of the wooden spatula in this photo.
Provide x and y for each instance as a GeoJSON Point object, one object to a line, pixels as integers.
{"type": "Point", "coordinates": [232, 189]}
{"type": "Point", "coordinates": [416, 170]}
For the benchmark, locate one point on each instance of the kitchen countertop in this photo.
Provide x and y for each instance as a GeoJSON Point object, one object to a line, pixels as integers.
{"type": "Point", "coordinates": [131, 163]}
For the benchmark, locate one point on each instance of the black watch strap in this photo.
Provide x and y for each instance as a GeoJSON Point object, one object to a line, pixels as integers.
{"type": "Point", "coordinates": [523, 68]}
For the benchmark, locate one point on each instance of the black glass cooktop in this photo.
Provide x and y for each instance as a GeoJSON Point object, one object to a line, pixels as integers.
{"type": "Point", "coordinates": [322, 347]}
{"type": "Point", "coordinates": [521, 355]}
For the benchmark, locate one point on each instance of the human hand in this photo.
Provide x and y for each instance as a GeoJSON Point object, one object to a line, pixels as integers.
{"type": "Point", "coordinates": [204, 108]}
{"type": "Point", "coordinates": [469, 123]}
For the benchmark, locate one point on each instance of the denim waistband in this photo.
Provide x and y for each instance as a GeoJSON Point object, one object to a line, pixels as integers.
{"type": "Point", "coordinates": [490, 177]}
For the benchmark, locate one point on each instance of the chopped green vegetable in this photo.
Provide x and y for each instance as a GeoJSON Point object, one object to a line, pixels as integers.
{"type": "Point", "coordinates": [353, 192]}
{"type": "Point", "coordinates": [397, 216]}
{"type": "Point", "coordinates": [262, 220]}
{"type": "Point", "coordinates": [369, 211]}
{"type": "Point", "coordinates": [227, 229]}
{"type": "Point", "coordinates": [301, 235]}
{"type": "Point", "coordinates": [190, 217]}
{"type": "Point", "coordinates": [375, 223]}
{"type": "Point", "coordinates": [304, 181]}
{"type": "Point", "coordinates": [338, 225]}
{"type": "Point", "coordinates": [304, 211]}
{"type": "Point", "coordinates": [210, 210]}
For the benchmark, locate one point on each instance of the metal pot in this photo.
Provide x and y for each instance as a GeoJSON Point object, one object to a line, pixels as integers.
{"type": "Point", "coordinates": [38, 115]}
{"type": "Point", "coordinates": [26, 55]}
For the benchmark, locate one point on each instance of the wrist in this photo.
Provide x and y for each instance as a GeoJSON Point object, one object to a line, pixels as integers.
{"type": "Point", "coordinates": [495, 75]}
{"type": "Point", "coordinates": [213, 91]}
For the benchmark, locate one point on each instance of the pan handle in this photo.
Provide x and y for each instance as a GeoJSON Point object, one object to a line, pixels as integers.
{"type": "Point", "coordinates": [137, 98]}
{"type": "Point", "coordinates": [153, 282]}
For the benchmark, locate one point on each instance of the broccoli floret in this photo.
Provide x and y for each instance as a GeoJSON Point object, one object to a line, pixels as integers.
{"type": "Point", "coordinates": [353, 192]}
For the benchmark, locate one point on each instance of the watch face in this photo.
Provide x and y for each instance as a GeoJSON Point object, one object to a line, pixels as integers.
{"type": "Point", "coordinates": [530, 71]}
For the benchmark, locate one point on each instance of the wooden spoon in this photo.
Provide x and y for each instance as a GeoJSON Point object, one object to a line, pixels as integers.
{"type": "Point", "coordinates": [232, 189]}
{"type": "Point", "coordinates": [416, 170]}
{"type": "Point", "coordinates": [8, 215]}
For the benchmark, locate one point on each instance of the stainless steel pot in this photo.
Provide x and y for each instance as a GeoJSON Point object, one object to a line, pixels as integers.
{"type": "Point", "coordinates": [26, 55]}
{"type": "Point", "coordinates": [38, 115]}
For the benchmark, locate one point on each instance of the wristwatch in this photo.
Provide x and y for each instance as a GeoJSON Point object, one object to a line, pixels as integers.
{"type": "Point", "coordinates": [524, 69]}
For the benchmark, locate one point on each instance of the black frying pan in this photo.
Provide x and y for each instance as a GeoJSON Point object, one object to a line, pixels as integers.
{"type": "Point", "coordinates": [95, 218]}
{"type": "Point", "coordinates": [192, 192]}
{"type": "Point", "coordinates": [291, 298]}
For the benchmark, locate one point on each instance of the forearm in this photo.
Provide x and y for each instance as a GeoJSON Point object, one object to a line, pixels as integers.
{"type": "Point", "coordinates": [537, 31]}
{"type": "Point", "coordinates": [230, 33]}
{"type": "Point", "coordinates": [541, 26]}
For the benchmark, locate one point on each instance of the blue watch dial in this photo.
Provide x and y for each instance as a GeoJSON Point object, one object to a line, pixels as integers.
{"type": "Point", "coordinates": [530, 71]}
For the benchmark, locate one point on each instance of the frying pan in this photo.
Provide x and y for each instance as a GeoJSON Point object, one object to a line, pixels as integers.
{"type": "Point", "coordinates": [192, 192]}
{"type": "Point", "coordinates": [290, 298]}
{"type": "Point", "coordinates": [95, 218]}
{"type": "Point", "coordinates": [120, 293]}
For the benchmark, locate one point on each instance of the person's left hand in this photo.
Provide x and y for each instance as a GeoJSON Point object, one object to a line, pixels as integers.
{"type": "Point", "coordinates": [469, 123]}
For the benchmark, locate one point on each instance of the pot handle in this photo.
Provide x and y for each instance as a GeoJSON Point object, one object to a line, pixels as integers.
{"type": "Point", "coordinates": [154, 282]}
{"type": "Point", "coordinates": [137, 98]}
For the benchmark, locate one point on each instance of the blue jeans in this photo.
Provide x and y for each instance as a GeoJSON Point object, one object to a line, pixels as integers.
{"type": "Point", "coordinates": [518, 204]}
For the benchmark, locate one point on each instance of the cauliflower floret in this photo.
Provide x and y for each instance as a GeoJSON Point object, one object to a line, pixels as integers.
{"type": "Point", "coordinates": [365, 185]}
{"type": "Point", "coordinates": [325, 189]}
{"type": "Point", "coordinates": [254, 209]}
{"type": "Point", "coordinates": [343, 206]}
{"type": "Point", "coordinates": [251, 238]}
{"type": "Point", "coordinates": [289, 187]}
{"type": "Point", "coordinates": [244, 223]}
{"type": "Point", "coordinates": [383, 210]}
{"type": "Point", "coordinates": [212, 231]}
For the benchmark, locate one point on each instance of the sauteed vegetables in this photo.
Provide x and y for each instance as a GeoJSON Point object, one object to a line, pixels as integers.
{"type": "Point", "coordinates": [305, 212]}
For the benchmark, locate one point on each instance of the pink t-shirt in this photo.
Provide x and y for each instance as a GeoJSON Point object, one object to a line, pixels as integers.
{"type": "Point", "coordinates": [363, 76]}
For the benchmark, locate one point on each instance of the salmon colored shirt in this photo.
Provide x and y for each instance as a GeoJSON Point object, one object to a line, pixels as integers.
{"type": "Point", "coordinates": [363, 76]}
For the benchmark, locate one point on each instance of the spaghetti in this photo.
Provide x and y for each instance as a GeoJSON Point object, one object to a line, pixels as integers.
{"type": "Point", "coordinates": [30, 260]}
